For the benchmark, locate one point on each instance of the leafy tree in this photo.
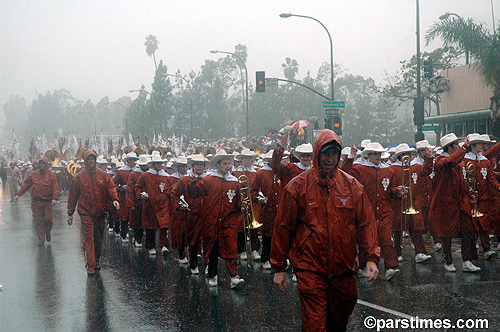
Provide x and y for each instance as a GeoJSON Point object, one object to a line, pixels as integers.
{"type": "Point", "coordinates": [16, 116]}
{"type": "Point", "coordinates": [151, 47]}
{"type": "Point", "coordinates": [160, 102]}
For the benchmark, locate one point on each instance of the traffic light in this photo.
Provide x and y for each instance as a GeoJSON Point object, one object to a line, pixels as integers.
{"type": "Point", "coordinates": [418, 111]}
{"type": "Point", "coordinates": [337, 124]}
{"type": "Point", "coordinates": [260, 85]}
{"type": "Point", "coordinates": [428, 70]}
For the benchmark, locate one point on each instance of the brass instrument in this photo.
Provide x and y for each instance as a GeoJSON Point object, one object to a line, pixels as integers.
{"type": "Point", "coordinates": [249, 221]}
{"type": "Point", "coordinates": [470, 178]}
{"type": "Point", "coordinates": [406, 198]}
{"type": "Point", "coordinates": [183, 204]}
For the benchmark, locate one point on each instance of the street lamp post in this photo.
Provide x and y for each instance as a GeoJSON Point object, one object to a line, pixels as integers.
{"type": "Point", "coordinates": [190, 103]}
{"type": "Point", "coordinates": [460, 18]}
{"type": "Point", "coordinates": [95, 121]}
{"type": "Point", "coordinates": [154, 106]}
{"type": "Point", "coordinates": [246, 83]}
{"type": "Point", "coordinates": [285, 15]}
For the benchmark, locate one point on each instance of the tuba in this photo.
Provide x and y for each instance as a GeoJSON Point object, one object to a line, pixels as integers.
{"type": "Point", "coordinates": [470, 179]}
{"type": "Point", "coordinates": [249, 221]}
{"type": "Point", "coordinates": [407, 198]}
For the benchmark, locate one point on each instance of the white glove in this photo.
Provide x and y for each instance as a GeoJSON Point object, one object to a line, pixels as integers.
{"type": "Point", "coordinates": [144, 195]}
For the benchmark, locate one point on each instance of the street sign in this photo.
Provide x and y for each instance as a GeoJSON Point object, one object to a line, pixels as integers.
{"type": "Point", "coordinates": [431, 128]}
{"type": "Point", "coordinates": [333, 104]}
{"type": "Point", "coordinates": [332, 111]}
{"type": "Point", "coordinates": [272, 82]}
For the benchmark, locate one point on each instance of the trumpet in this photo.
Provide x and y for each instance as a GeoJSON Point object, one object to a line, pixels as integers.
{"type": "Point", "coordinates": [249, 221]}
{"type": "Point", "coordinates": [470, 178]}
{"type": "Point", "coordinates": [183, 204]}
{"type": "Point", "coordinates": [407, 207]}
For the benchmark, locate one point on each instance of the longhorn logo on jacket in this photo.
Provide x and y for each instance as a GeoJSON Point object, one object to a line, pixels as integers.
{"type": "Point", "coordinates": [385, 183]}
{"type": "Point", "coordinates": [230, 194]}
{"type": "Point", "coordinates": [484, 171]}
{"type": "Point", "coordinates": [414, 176]}
{"type": "Point", "coordinates": [162, 186]}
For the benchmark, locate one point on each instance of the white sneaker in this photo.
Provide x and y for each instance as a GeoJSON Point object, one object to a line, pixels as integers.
{"type": "Point", "coordinates": [266, 266]}
{"type": "Point", "coordinates": [206, 270]}
{"type": "Point", "coordinates": [255, 255]}
{"type": "Point", "coordinates": [438, 246]}
{"type": "Point", "coordinates": [421, 257]}
{"type": "Point", "coordinates": [111, 231]}
{"type": "Point", "coordinates": [195, 270]}
{"type": "Point", "coordinates": [212, 282]}
{"type": "Point", "coordinates": [183, 261]}
{"type": "Point", "coordinates": [125, 240]}
{"type": "Point", "coordinates": [294, 277]}
{"type": "Point", "coordinates": [489, 253]}
{"type": "Point", "coordinates": [400, 258]}
{"type": "Point", "coordinates": [137, 244]}
{"type": "Point", "coordinates": [391, 273]}
{"type": "Point", "coordinates": [243, 256]}
{"type": "Point", "coordinates": [469, 267]}
{"type": "Point", "coordinates": [235, 281]}
{"type": "Point", "coordinates": [450, 268]}
{"type": "Point", "coordinates": [164, 250]}
{"type": "Point", "coordinates": [152, 252]}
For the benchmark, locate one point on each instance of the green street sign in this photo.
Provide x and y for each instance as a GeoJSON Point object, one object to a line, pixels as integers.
{"type": "Point", "coordinates": [333, 104]}
{"type": "Point", "coordinates": [431, 128]}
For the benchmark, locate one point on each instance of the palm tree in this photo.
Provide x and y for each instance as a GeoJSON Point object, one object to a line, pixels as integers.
{"type": "Point", "coordinates": [466, 35]}
{"type": "Point", "coordinates": [151, 47]}
{"type": "Point", "coordinates": [481, 48]}
{"type": "Point", "coordinates": [290, 68]}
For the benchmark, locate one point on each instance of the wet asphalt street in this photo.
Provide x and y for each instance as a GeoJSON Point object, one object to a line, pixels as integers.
{"type": "Point", "coordinates": [47, 289]}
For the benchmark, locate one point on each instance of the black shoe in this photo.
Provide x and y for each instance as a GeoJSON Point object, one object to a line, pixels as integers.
{"type": "Point", "coordinates": [97, 267]}
{"type": "Point", "coordinates": [48, 237]}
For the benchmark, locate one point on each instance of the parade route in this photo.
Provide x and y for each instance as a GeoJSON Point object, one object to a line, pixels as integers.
{"type": "Point", "coordinates": [47, 288]}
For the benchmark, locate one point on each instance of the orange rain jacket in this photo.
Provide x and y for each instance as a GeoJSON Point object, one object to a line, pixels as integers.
{"type": "Point", "coordinates": [321, 221]}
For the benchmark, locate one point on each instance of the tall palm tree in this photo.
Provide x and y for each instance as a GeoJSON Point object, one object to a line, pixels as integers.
{"type": "Point", "coordinates": [151, 47]}
{"type": "Point", "coordinates": [481, 48]}
{"type": "Point", "coordinates": [466, 35]}
{"type": "Point", "coordinates": [290, 68]}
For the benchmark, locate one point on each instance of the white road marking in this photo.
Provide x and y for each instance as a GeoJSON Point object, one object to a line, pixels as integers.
{"type": "Point", "coordinates": [380, 308]}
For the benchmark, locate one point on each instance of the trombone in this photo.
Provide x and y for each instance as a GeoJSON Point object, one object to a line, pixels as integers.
{"type": "Point", "coordinates": [249, 221]}
{"type": "Point", "coordinates": [470, 178]}
{"type": "Point", "coordinates": [407, 207]}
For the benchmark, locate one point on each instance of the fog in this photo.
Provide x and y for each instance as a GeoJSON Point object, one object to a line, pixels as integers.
{"type": "Point", "coordinates": [96, 48]}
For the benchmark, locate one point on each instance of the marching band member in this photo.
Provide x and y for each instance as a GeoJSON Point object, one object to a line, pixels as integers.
{"type": "Point", "coordinates": [450, 210]}
{"type": "Point", "coordinates": [415, 222]}
{"type": "Point", "coordinates": [323, 215]}
{"type": "Point", "coordinates": [133, 202]}
{"type": "Point", "coordinates": [246, 159]}
{"type": "Point", "coordinates": [150, 188]}
{"type": "Point", "coordinates": [492, 152]}
{"type": "Point", "coordinates": [485, 186]}
{"type": "Point", "coordinates": [265, 192]}
{"type": "Point", "coordinates": [219, 191]}
{"type": "Point", "coordinates": [121, 180]}
{"type": "Point", "coordinates": [379, 183]}
{"type": "Point", "coordinates": [177, 219]}
{"type": "Point", "coordinates": [191, 207]}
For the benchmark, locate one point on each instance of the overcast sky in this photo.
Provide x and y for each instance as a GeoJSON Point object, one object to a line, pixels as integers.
{"type": "Point", "coordinates": [96, 48]}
